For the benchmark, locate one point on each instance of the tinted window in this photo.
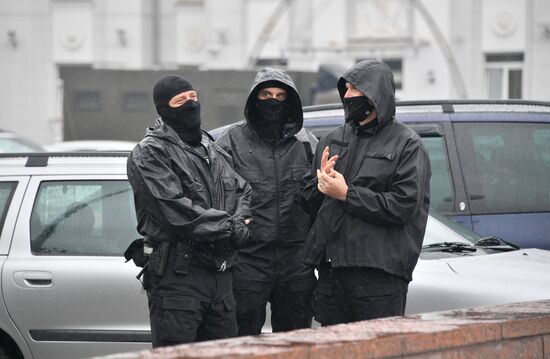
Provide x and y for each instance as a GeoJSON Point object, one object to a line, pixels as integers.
{"type": "Point", "coordinates": [506, 166]}
{"type": "Point", "coordinates": [6, 193]}
{"type": "Point", "coordinates": [83, 217]}
{"type": "Point", "coordinates": [441, 189]}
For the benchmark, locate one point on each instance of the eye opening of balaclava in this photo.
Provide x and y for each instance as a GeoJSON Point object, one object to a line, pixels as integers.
{"type": "Point", "coordinates": [184, 119]}
{"type": "Point", "coordinates": [270, 115]}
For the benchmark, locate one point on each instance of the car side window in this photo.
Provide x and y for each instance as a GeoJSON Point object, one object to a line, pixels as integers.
{"type": "Point", "coordinates": [83, 218]}
{"type": "Point", "coordinates": [506, 166]}
{"type": "Point", "coordinates": [542, 144]}
{"type": "Point", "coordinates": [6, 193]}
{"type": "Point", "coordinates": [441, 188]}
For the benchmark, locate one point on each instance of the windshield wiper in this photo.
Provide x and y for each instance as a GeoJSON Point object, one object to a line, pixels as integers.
{"type": "Point", "coordinates": [496, 243]}
{"type": "Point", "coordinates": [454, 247]}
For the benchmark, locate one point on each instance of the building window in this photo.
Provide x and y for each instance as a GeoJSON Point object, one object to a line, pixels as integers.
{"type": "Point", "coordinates": [136, 101]}
{"type": "Point", "coordinates": [87, 100]}
{"type": "Point", "coordinates": [396, 67]}
{"type": "Point", "coordinates": [504, 75]}
{"type": "Point", "coordinates": [271, 62]}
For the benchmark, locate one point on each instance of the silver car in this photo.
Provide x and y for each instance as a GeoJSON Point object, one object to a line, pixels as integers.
{"type": "Point", "coordinates": [66, 291]}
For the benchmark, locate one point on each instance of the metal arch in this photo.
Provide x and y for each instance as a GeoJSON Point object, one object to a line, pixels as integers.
{"type": "Point", "coordinates": [445, 49]}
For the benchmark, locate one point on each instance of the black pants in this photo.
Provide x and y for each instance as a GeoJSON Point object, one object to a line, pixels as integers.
{"type": "Point", "coordinates": [291, 304]}
{"type": "Point", "coordinates": [191, 307]}
{"type": "Point", "coordinates": [346, 295]}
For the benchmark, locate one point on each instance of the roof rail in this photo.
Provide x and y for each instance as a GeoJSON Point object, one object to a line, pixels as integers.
{"type": "Point", "coordinates": [472, 102]}
{"type": "Point", "coordinates": [40, 159]}
{"type": "Point", "coordinates": [332, 106]}
{"type": "Point", "coordinates": [447, 104]}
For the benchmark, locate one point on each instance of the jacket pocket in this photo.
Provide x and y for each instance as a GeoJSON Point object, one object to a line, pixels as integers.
{"type": "Point", "coordinates": [250, 176]}
{"type": "Point", "coordinates": [375, 169]}
{"type": "Point", "coordinates": [248, 295]}
{"type": "Point", "coordinates": [291, 182]}
{"type": "Point", "coordinates": [180, 318]}
{"type": "Point", "coordinates": [230, 195]}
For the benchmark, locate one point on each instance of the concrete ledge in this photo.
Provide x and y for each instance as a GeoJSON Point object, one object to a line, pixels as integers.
{"type": "Point", "coordinates": [519, 330]}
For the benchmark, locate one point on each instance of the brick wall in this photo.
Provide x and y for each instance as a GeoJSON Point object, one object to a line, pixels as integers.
{"type": "Point", "coordinates": [520, 330]}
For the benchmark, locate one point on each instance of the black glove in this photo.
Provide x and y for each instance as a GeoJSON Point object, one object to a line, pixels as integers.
{"type": "Point", "coordinates": [222, 248]}
{"type": "Point", "coordinates": [241, 232]}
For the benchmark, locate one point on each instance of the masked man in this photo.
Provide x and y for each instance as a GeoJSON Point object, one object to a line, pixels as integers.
{"type": "Point", "coordinates": [192, 210]}
{"type": "Point", "coordinates": [370, 187]}
{"type": "Point", "coordinates": [272, 152]}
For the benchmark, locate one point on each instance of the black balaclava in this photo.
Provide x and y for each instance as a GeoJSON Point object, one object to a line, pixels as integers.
{"type": "Point", "coordinates": [357, 109]}
{"type": "Point", "coordinates": [185, 119]}
{"type": "Point", "coordinates": [271, 114]}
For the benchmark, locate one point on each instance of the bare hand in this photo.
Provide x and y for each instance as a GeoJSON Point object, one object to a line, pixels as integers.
{"type": "Point", "coordinates": [332, 184]}
{"type": "Point", "coordinates": [247, 221]}
{"type": "Point", "coordinates": [327, 165]}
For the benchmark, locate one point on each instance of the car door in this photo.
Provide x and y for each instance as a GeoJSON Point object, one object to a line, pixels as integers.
{"type": "Point", "coordinates": [447, 193]}
{"type": "Point", "coordinates": [506, 167]}
{"type": "Point", "coordinates": [12, 190]}
{"type": "Point", "coordinates": [66, 284]}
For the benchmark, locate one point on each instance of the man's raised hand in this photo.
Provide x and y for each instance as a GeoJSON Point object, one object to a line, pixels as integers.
{"type": "Point", "coordinates": [327, 165]}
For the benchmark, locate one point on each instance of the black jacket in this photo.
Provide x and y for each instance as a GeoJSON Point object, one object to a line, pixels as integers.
{"type": "Point", "coordinates": [274, 171]}
{"type": "Point", "coordinates": [181, 197]}
{"type": "Point", "coordinates": [381, 224]}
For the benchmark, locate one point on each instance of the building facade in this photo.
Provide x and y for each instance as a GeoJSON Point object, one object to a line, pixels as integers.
{"type": "Point", "coordinates": [438, 49]}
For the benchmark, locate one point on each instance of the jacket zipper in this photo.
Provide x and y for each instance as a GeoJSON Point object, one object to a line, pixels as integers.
{"type": "Point", "coordinates": [351, 151]}
{"type": "Point", "coordinates": [207, 180]}
{"type": "Point", "coordinates": [277, 209]}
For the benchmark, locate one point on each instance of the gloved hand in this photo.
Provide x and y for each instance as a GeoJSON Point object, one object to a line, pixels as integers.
{"type": "Point", "coordinates": [222, 247]}
{"type": "Point", "coordinates": [241, 231]}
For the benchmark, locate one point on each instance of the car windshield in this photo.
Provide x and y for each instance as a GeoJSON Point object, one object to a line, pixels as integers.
{"type": "Point", "coordinates": [441, 229]}
{"type": "Point", "coordinates": [11, 145]}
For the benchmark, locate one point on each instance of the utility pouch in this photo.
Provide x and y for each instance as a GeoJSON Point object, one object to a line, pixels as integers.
{"type": "Point", "coordinates": [159, 258]}
{"type": "Point", "coordinates": [183, 258]}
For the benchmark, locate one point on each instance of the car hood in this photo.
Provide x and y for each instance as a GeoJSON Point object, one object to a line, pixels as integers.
{"type": "Point", "coordinates": [523, 263]}
{"type": "Point", "coordinates": [465, 282]}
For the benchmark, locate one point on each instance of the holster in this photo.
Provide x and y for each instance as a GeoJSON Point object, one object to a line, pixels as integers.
{"type": "Point", "coordinates": [159, 258]}
{"type": "Point", "coordinates": [134, 252]}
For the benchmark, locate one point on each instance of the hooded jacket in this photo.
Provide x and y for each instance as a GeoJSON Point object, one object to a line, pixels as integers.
{"type": "Point", "coordinates": [274, 170]}
{"type": "Point", "coordinates": [180, 197]}
{"type": "Point", "coordinates": [381, 223]}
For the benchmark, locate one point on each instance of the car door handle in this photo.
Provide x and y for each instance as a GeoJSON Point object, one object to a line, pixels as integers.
{"type": "Point", "coordinates": [33, 279]}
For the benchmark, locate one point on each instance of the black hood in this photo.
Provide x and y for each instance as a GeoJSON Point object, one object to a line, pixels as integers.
{"type": "Point", "coordinates": [268, 74]}
{"type": "Point", "coordinates": [375, 80]}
